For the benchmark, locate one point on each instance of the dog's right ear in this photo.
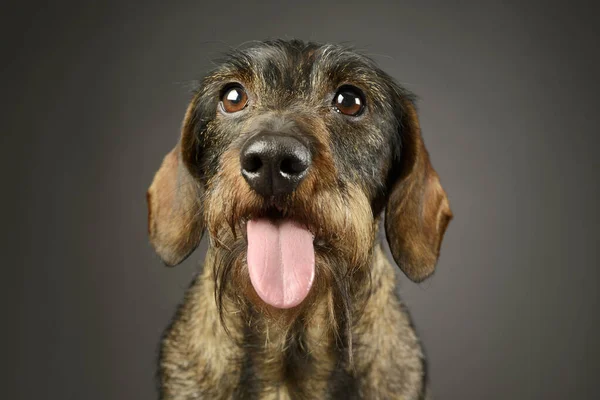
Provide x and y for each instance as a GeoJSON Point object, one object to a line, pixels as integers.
{"type": "Point", "coordinates": [175, 212]}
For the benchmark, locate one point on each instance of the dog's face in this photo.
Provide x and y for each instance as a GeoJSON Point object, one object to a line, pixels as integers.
{"type": "Point", "coordinates": [288, 155]}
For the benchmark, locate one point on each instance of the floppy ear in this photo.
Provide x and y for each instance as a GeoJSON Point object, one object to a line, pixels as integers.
{"type": "Point", "coordinates": [417, 211]}
{"type": "Point", "coordinates": [175, 220]}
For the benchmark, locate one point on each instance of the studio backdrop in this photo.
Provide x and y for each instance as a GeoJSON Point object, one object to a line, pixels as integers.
{"type": "Point", "coordinates": [93, 98]}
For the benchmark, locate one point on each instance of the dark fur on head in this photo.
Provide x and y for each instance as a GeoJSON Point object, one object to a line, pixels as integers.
{"type": "Point", "coordinates": [360, 166]}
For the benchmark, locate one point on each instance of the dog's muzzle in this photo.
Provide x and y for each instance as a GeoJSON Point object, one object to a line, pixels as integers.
{"type": "Point", "coordinates": [274, 164]}
{"type": "Point", "coordinates": [281, 255]}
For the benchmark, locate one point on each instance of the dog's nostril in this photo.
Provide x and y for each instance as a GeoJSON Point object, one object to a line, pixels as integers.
{"type": "Point", "coordinates": [252, 163]}
{"type": "Point", "coordinates": [286, 166]}
{"type": "Point", "coordinates": [293, 165]}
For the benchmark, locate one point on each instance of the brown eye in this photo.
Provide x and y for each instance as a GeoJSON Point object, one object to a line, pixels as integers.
{"type": "Point", "coordinates": [234, 99]}
{"type": "Point", "coordinates": [349, 101]}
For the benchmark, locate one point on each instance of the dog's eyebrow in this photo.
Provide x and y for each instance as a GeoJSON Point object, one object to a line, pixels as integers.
{"type": "Point", "coordinates": [338, 65]}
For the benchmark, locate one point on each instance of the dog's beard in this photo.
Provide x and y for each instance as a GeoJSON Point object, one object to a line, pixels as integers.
{"type": "Point", "coordinates": [342, 287]}
{"type": "Point", "coordinates": [344, 239]}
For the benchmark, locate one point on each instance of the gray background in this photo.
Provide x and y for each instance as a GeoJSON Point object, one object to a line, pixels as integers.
{"type": "Point", "coordinates": [93, 96]}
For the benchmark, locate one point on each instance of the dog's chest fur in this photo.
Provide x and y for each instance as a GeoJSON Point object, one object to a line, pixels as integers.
{"type": "Point", "coordinates": [259, 361]}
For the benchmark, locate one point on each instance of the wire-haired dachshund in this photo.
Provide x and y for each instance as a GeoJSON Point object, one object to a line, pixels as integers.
{"type": "Point", "coordinates": [288, 156]}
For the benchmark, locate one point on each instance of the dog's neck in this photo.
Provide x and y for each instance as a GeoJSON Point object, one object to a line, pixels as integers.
{"type": "Point", "coordinates": [311, 341]}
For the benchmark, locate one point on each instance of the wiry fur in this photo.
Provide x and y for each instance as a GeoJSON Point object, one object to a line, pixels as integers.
{"type": "Point", "coordinates": [350, 338]}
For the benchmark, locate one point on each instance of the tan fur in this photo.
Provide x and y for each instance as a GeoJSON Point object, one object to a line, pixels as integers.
{"type": "Point", "coordinates": [197, 354]}
{"type": "Point", "coordinates": [175, 223]}
{"type": "Point", "coordinates": [418, 211]}
{"type": "Point", "coordinates": [387, 341]}
{"type": "Point", "coordinates": [174, 202]}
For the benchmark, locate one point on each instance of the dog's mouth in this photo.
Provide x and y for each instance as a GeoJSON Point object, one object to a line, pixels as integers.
{"type": "Point", "coordinates": [281, 258]}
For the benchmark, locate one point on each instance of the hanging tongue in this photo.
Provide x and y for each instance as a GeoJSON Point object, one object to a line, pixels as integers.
{"type": "Point", "coordinates": [281, 261]}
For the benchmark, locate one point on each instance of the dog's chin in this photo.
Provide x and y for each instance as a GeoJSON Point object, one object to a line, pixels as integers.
{"type": "Point", "coordinates": [280, 259]}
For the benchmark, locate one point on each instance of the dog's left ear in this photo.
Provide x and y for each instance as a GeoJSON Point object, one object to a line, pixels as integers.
{"type": "Point", "coordinates": [175, 220]}
{"type": "Point", "coordinates": [417, 211]}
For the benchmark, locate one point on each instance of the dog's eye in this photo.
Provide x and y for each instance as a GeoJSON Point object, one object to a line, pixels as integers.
{"type": "Point", "coordinates": [234, 99]}
{"type": "Point", "coordinates": [349, 101]}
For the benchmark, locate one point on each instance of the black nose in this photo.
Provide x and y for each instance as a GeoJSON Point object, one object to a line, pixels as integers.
{"type": "Point", "coordinates": [274, 164]}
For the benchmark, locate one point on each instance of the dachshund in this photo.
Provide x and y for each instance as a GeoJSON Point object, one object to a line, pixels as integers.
{"type": "Point", "coordinates": [289, 155]}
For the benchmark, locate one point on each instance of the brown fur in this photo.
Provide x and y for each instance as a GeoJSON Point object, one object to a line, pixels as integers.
{"type": "Point", "coordinates": [418, 210]}
{"type": "Point", "coordinates": [351, 337]}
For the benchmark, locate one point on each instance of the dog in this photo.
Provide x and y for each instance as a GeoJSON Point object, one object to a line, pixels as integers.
{"type": "Point", "coordinates": [289, 154]}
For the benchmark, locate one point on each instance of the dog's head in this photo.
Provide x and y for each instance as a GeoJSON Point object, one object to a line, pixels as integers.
{"type": "Point", "coordinates": [289, 152]}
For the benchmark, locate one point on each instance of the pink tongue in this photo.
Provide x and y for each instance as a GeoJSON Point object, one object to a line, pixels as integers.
{"type": "Point", "coordinates": [281, 261]}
